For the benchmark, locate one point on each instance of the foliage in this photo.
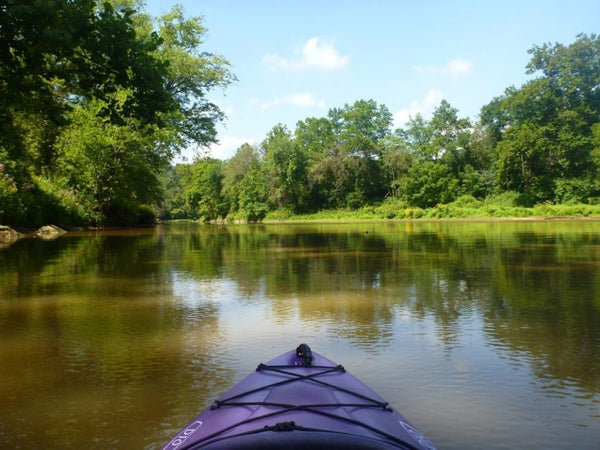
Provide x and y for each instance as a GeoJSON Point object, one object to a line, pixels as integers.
{"type": "Point", "coordinates": [252, 197]}
{"type": "Point", "coordinates": [173, 205]}
{"type": "Point", "coordinates": [204, 192]}
{"type": "Point", "coordinates": [285, 166]}
{"type": "Point", "coordinates": [97, 98]}
{"type": "Point", "coordinates": [111, 167]}
{"type": "Point", "coordinates": [545, 129]}
{"type": "Point", "coordinates": [191, 74]}
{"type": "Point", "coordinates": [243, 164]}
{"type": "Point", "coordinates": [428, 184]}
{"type": "Point", "coordinates": [533, 146]}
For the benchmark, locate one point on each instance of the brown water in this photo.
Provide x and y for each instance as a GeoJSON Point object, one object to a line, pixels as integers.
{"type": "Point", "coordinates": [485, 335]}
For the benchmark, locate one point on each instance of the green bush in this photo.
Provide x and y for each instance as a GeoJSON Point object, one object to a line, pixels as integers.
{"type": "Point", "coordinates": [466, 201]}
{"type": "Point", "coordinates": [146, 215]}
{"type": "Point", "coordinates": [504, 199]}
{"type": "Point", "coordinates": [572, 191]}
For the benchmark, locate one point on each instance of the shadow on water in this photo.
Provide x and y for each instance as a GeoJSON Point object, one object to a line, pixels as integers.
{"type": "Point", "coordinates": [120, 337]}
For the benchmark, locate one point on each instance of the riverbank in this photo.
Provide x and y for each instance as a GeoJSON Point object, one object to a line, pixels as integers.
{"type": "Point", "coordinates": [387, 211]}
{"type": "Point", "coordinates": [453, 211]}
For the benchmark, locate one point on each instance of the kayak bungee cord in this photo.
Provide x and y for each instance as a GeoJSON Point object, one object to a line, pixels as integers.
{"type": "Point", "coordinates": [286, 408]}
{"type": "Point", "coordinates": [298, 377]}
{"type": "Point", "coordinates": [292, 404]}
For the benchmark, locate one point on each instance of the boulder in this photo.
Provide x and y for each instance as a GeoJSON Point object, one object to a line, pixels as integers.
{"type": "Point", "coordinates": [8, 236]}
{"type": "Point", "coordinates": [49, 232]}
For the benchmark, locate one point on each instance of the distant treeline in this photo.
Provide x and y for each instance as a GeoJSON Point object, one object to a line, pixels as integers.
{"type": "Point", "coordinates": [537, 144]}
{"type": "Point", "coordinates": [98, 97]}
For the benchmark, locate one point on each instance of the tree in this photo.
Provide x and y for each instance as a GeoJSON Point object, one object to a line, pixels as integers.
{"type": "Point", "coordinates": [111, 168]}
{"type": "Point", "coordinates": [418, 136]}
{"type": "Point", "coordinates": [443, 164]}
{"type": "Point", "coordinates": [191, 74]}
{"type": "Point", "coordinates": [244, 162]}
{"type": "Point", "coordinates": [358, 128]}
{"type": "Point", "coordinates": [427, 184]}
{"type": "Point", "coordinates": [316, 138]}
{"type": "Point", "coordinates": [204, 192]}
{"type": "Point", "coordinates": [55, 55]}
{"type": "Point", "coordinates": [396, 160]}
{"type": "Point", "coordinates": [253, 197]}
{"type": "Point", "coordinates": [547, 138]}
{"type": "Point", "coordinates": [332, 180]}
{"type": "Point", "coordinates": [79, 68]}
{"type": "Point", "coordinates": [174, 204]}
{"type": "Point", "coordinates": [285, 167]}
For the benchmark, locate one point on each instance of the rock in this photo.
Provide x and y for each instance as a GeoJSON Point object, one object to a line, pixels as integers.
{"type": "Point", "coordinates": [49, 232]}
{"type": "Point", "coordinates": [8, 236]}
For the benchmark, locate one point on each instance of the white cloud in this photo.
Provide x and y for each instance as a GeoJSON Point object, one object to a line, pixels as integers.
{"type": "Point", "coordinates": [316, 54]}
{"type": "Point", "coordinates": [227, 146]}
{"type": "Point", "coordinates": [455, 69]}
{"type": "Point", "coordinates": [425, 106]}
{"type": "Point", "coordinates": [303, 100]}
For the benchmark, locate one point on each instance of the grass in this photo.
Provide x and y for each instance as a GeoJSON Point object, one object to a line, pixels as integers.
{"type": "Point", "coordinates": [460, 209]}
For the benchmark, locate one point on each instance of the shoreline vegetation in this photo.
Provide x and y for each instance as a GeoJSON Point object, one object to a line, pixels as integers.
{"type": "Point", "coordinates": [88, 136]}
{"type": "Point", "coordinates": [378, 213]}
{"type": "Point", "coordinates": [533, 151]}
{"type": "Point", "coordinates": [450, 211]}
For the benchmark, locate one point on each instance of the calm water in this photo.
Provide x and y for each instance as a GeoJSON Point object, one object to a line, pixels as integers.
{"type": "Point", "coordinates": [485, 335]}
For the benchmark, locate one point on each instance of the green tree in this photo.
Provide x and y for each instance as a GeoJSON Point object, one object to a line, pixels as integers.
{"type": "Point", "coordinates": [358, 129]}
{"type": "Point", "coordinates": [285, 167]}
{"type": "Point", "coordinates": [547, 140]}
{"type": "Point", "coordinates": [396, 160]}
{"type": "Point", "coordinates": [244, 162]}
{"type": "Point", "coordinates": [315, 136]}
{"type": "Point", "coordinates": [428, 183]}
{"type": "Point", "coordinates": [204, 192]}
{"type": "Point", "coordinates": [191, 74]}
{"type": "Point", "coordinates": [418, 136]}
{"type": "Point", "coordinates": [174, 204]}
{"type": "Point", "coordinates": [253, 197]}
{"type": "Point", "coordinates": [316, 139]}
{"type": "Point", "coordinates": [77, 68]}
{"type": "Point", "coordinates": [443, 163]}
{"type": "Point", "coordinates": [111, 168]}
{"type": "Point", "coordinates": [56, 55]}
{"type": "Point", "coordinates": [331, 180]}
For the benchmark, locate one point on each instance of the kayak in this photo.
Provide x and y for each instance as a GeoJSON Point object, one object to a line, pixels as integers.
{"type": "Point", "coordinates": [300, 400]}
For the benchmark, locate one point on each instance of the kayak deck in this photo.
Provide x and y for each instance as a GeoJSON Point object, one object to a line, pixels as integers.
{"type": "Point", "coordinates": [300, 400]}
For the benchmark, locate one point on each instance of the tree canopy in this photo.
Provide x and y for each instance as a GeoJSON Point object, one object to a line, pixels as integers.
{"type": "Point", "coordinates": [546, 138]}
{"type": "Point", "coordinates": [97, 98]}
{"type": "Point", "coordinates": [533, 144]}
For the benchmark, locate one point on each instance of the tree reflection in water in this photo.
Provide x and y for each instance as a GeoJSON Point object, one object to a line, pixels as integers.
{"type": "Point", "coordinates": [130, 333]}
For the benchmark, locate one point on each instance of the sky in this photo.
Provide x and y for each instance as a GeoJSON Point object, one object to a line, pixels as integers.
{"type": "Point", "coordinates": [299, 59]}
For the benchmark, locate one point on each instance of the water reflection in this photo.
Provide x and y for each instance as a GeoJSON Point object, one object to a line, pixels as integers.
{"type": "Point", "coordinates": [129, 333]}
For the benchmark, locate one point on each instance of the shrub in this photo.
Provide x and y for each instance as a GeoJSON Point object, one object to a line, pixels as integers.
{"type": "Point", "coordinates": [466, 201]}
{"type": "Point", "coordinates": [504, 199]}
{"type": "Point", "coordinates": [572, 190]}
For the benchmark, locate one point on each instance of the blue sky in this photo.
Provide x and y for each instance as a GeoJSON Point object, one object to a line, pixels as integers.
{"type": "Point", "coordinates": [298, 59]}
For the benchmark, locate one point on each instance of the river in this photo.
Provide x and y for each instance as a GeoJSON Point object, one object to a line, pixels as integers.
{"type": "Point", "coordinates": [483, 334]}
